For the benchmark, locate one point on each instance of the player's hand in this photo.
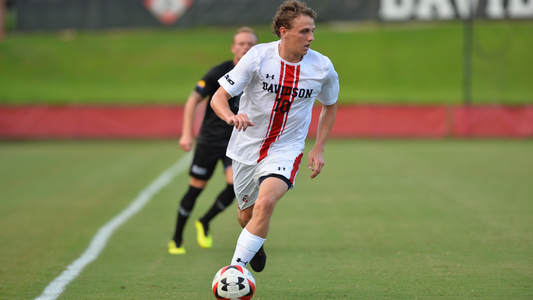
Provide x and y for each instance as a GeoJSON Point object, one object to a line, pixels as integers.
{"type": "Point", "coordinates": [186, 142]}
{"type": "Point", "coordinates": [240, 121]}
{"type": "Point", "coordinates": [315, 162]}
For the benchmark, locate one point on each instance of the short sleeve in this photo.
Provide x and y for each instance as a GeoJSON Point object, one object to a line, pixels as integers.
{"type": "Point", "coordinates": [330, 88]}
{"type": "Point", "coordinates": [208, 85]}
{"type": "Point", "coordinates": [236, 80]}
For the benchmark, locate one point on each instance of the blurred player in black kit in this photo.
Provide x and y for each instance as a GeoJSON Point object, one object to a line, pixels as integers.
{"type": "Point", "coordinates": [211, 146]}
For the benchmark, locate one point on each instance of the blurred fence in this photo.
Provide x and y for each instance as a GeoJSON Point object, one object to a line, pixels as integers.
{"type": "Point", "coordinates": [99, 14]}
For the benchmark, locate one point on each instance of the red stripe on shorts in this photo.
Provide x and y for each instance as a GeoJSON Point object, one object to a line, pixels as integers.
{"type": "Point", "coordinates": [295, 167]}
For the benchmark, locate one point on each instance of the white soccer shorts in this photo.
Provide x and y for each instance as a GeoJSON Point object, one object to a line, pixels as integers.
{"type": "Point", "coordinates": [246, 177]}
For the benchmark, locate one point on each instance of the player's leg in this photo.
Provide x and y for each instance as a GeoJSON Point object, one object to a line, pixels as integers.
{"type": "Point", "coordinates": [254, 234]}
{"type": "Point", "coordinates": [271, 190]}
{"type": "Point", "coordinates": [223, 200]}
{"type": "Point", "coordinates": [258, 262]}
{"type": "Point", "coordinates": [275, 176]}
{"type": "Point", "coordinates": [202, 168]}
{"type": "Point", "coordinates": [188, 200]}
{"type": "Point", "coordinates": [246, 192]}
{"type": "Point", "coordinates": [244, 216]}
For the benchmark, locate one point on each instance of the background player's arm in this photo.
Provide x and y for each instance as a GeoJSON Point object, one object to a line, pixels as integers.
{"type": "Point", "coordinates": [187, 134]}
{"type": "Point", "coordinates": [325, 124]}
{"type": "Point", "coordinates": [220, 105]}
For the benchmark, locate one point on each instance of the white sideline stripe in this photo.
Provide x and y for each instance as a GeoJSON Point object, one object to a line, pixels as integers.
{"type": "Point", "coordinates": [56, 287]}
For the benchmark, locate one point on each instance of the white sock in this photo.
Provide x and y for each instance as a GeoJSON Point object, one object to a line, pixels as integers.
{"type": "Point", "coordinates": [247, 246]}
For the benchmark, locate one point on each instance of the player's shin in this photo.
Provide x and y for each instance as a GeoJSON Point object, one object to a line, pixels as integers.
{"type": "Point", "coordinates": [247, 245]}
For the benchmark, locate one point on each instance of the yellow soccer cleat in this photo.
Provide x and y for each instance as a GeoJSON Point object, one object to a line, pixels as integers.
{"type": "Point", "coordinates": [205, 241]}
{"type": "Point", "coordinates": [172, 249]}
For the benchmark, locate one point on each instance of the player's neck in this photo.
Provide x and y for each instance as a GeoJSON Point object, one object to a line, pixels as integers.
{"type": "Point", "coordinates": [288, 55]}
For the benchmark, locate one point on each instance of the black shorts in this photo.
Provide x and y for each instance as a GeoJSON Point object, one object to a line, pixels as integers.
{"type": "Point", "coordinates": [205, 160]}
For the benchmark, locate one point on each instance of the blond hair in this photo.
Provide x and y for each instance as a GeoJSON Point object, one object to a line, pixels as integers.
{"type": "Point", "coordinates": [245, 29]}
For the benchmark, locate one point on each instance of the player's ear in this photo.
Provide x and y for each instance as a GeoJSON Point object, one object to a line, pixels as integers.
{"type": "Point", "coordinates": [283, 32]}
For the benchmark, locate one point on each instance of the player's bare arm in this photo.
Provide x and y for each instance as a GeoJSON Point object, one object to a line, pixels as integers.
{"type": "Point", "coordinates": [325, 124]}
{"type": "Point", "coordinates": [220, 105]}
{"type": "Point", "coordinates": [187, 134]}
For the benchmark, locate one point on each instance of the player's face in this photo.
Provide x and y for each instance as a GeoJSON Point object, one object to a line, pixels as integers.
{"type": "Point", "coordinates": [300, 36]}
{"type": "Point", "coordinates": [242, 42]}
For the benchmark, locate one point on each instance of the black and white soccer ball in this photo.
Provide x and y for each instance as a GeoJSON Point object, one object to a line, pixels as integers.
{"type": "Point", "coordinates": [233, 282]}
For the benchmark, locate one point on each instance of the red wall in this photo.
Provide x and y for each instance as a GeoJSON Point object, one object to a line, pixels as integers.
{"type": "Point", "coordinates": [354, 121]}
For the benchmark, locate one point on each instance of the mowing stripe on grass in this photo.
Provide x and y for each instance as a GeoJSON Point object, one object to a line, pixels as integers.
{"type": "Point", "coordinates": [56, 287]}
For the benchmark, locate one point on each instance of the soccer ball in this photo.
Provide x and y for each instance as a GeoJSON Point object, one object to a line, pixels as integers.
{"type": "Point", "coordinates": [233, 282]}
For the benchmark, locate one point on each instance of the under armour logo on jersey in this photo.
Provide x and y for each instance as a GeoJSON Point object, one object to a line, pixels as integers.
{"type": "Point", "coordinates": [270, 77]}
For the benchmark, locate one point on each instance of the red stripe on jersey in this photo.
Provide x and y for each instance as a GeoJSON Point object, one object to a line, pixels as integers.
{"type": "Point", "coordinates": [295, 167]}
{"type": "Point", "coordinates": [291, 97]}
{"type": "Point", "coordinates": [288, 79]}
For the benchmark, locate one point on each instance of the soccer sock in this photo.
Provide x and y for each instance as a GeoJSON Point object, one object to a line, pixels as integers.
{"type": "Point", "coordinates": [224, 199]}
{"type": "Point", "coordinates": [186, 206]}
{"type": "Point", "coordinates": [247, 245]}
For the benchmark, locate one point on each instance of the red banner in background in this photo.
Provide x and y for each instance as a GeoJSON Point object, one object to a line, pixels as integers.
{"type": "Point", "coordinates": [493, 121]}
{"type": "Point", "coordinates": [71, 122]}
{"type": "Point", "coordinates": [387, 121]}
{"type": "Point", "coordinates": [353, 121]}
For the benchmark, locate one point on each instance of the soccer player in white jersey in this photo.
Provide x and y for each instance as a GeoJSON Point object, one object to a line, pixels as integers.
{"type": "Point", "coordinates": [280, 82]}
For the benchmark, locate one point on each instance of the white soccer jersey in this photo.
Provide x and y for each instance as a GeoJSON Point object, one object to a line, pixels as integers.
{"type": "Point", "coordinates": [278, 97]}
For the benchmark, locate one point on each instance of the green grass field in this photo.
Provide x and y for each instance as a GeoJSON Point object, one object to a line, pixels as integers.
{"type": "Point", "coordinates": [387, 219]}
{"type": "Point", "coordinates": [399, 63]}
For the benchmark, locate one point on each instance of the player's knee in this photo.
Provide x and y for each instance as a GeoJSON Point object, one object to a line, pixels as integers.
{"type": "Point", "coordinates": [243, 221]}
{"type": "Point", "coordinates": [244, 217]}
{"type": "Point", "coordinates": [197, 183]}
{"type": "Point", "coordinates": [264, 206]}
